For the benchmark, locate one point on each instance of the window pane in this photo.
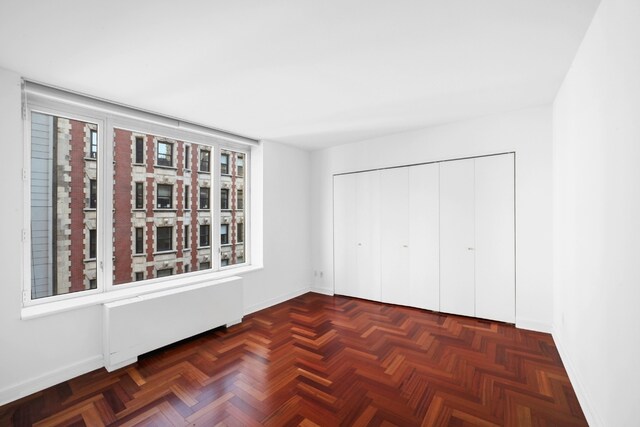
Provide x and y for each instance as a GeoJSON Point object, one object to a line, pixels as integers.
{"type": "Point", "coordinates": [139, 149]}
{"type": "Point", "coordinates": [205, 233]}
{"type": "Point", "coordinates": [205, 156]}
{"type": "Point", "coordinates": [232, 215]}
{"type": "Point", "coordinates": [165, 153]}
{"type": "Point", "coordinates": [153, 225]}
{"type": "Point", "coordinates": [62, 168]}
{"type": "Point", "coordinates": [187, 157]}
{"type": "Point", "coordinates": [93, 194]}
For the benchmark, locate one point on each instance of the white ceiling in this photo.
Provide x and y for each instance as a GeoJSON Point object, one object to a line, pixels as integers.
{"type": "Point", "coordinates": [312, 73]}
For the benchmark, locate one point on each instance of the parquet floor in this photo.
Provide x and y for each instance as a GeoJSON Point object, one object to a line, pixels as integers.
{"type": "Point", "coordinates": [327, 361]}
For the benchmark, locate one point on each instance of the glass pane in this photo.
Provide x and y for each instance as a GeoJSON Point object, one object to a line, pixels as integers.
{"type": "Point", "coordinates": [162, 201]}
{"type": "Point", "coordinates": [232, 214]}
{"type": "Point", "coordinates": [63, 201]}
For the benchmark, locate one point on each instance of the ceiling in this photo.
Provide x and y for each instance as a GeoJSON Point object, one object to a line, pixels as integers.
{"type": "Point", "coordinates": [312, 73]}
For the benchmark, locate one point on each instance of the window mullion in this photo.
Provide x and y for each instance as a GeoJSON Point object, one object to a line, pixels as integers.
{"type": "Point", "coordinates": [105, 207]}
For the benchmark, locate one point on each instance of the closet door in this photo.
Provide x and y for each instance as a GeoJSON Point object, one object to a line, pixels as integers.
{"type": "Point", "coordinates": [495, 238]}
{"type": "Point", "coordinates": [424, 236]}
{"type": "Point", "coordinates": [394, 236]}
{"type": "Point", "coordinates": [367, 226]}
{"type": "Point", "coordinates": [457, 217]}
{"type": "Point", "coordinates": [344, 233]}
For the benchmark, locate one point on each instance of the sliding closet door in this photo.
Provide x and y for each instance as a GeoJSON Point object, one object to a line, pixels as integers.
{"type": "Point", "coordinates": [457, 288]}
{"type": "Point", "coordinates": [495, 252]}
{"type": "Point", "coordinates": [344, 233]}
{"type": "Point", "coordinates": [394, 236]}
{"type": "Point", "coordinates": [424, 236]}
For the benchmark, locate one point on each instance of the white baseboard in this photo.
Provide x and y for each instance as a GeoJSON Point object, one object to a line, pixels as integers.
{"type": "Point", "coordinates": [534, 325]}
{"type": "Point", "coordinates": [277, 300]}
{"type": "Point", "coordinates": [323, 291]}
{"type": "Point", "coordinates": [33, 385]}
{"type": "Point", "coordinates": [593, 419]}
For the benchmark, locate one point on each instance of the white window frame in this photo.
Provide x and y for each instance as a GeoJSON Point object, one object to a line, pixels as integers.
{"type": "Point", "coordinates": [107, 116]}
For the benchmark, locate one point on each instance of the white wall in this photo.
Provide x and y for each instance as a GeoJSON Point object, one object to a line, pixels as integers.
{"type": "Point", "coordinates": [596, 129]}
{"type": "Point", "coordinates": [41, 352]}
{"type": "Point", "coordinates": [527, 132]}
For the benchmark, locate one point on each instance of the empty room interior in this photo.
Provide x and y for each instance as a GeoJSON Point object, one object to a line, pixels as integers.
{"type": "Point", "coordinates": [320, 213]}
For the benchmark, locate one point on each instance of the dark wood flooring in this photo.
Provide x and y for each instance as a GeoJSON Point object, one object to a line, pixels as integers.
{"type": "Point", "coordinates": [327, 361]}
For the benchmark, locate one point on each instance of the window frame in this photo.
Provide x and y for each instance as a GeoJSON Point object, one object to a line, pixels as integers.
{"type": "Point", "coordinates": [173, 153]}
{"type": "Point", "coordinates": [171, 204]}
{"type": "Point", "coordinates": [107, 117]}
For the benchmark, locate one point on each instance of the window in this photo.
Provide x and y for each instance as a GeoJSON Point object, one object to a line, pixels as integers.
{"type": "Point", "coordinates": [164, 272]}
{"type": "Point", "coordinates": [165, 196]}
{"type": "Point", "coordinates": [137, 212]}
{"type": "Point", "coordinates": [139, 150]}
{"type": "Point", "coordinates": [205, 265]}
{"type": "Point", "coordinates": [92, 244]}
{"type": "Point", "coordinates": [240, 199]}
{"type": "Point", "coordinates": [165, 153]}
{"type": "Point", "coordinates": [139, 240]}
{"type": "Point", "coordinates": [224, 164]}
{"type": "Point", "coordinates": [139, 195]}
{"type": "Point", "coordinates": [204, 198]}
{"type": "Point", "coordinates": [205, 233]}
{"type": "Point", "coordinates": [93, 193]}
{"type": "Point", "coordinates": [240, 232]}
{"type": "Point", "coordinates": [205, 157]}
{"type": "Point", "coordinates": [240, 166]}
{"type": "Point", "coordinates": [224, 234]}
{"type": "Point", "coordinates": [164, 239]}
{"type": "Point", "coordinates": [224, 262]}
{"type": "Point", "coordinates": [224, 198]}
{"type": "Point", "coordinates": [93, 144]}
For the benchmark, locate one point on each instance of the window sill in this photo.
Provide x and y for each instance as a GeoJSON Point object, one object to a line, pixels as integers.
{"type": "Point", "coordinates": [50, 308]}
{"type": "Point", "coordinates": [165, 210]}
{"type": "Point", "coordinates": [165, 167]}
{"type": "Point", "coordinates": [173, 251]}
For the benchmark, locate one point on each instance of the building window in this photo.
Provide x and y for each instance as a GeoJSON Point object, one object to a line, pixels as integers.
{"type": "Point", "coordinates": [139, 240]}
{"type": "Point", "coordinates": [187, 157]}
{"type": "Point", "coordinates": [165, 153]}
{"type": "Point", "coordinates": [187, 238]}
{"type": "Point", "coordinates": [240, 232]}
{"type": "Point", "coordinates": [139, 195]}
{"type": "Point", "coordinates": [93, 283]}
{"type": "Point", "coordinates": [240, 166]}
{"type": "Point", "coordinates": [139, 150]}
{"type": "Point", "coordinates": [93, 194]}
{"type": "Point", "coordinates": [139, 276]}
{"type": "Point", "coordinates": [224, 198]}
{"type": "Point", "coordinates": [93, 144]}
{"type": "Point", "coordinates": [205, 233]}
{"type": "Point", "coordinates": [205, 265]}
{"type": "Point", "coordinates": [240, 259]}
{"type": "Point", "coordinates": [187, 196]}
{"type": "Point", "coordinates": [205, 160]}
{"type": "Point", "coordinates": [164, 272]}
{"type": "Point", "coordinates": [224, 164]}
{"type": "Point", "coordinates": [164, 239]}
{"type": "Point", "coordinates": [224, 234]}
{"type": "Point", "coordinates": [204, 197]}
{"type": "Point", "coordinates": [240, 199]}
{"type": "Point", "coordinates": [92, 244]}
{"type": "Point", "coordinates": [187, 268]}
{"type": "Point", "coordinates": [224, 262]}
{"type": "Point", "coordinates": [165, 196]}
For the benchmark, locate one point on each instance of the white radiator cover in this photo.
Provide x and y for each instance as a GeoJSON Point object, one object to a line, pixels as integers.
{"type": "Point", "coordinates": [135, 326]}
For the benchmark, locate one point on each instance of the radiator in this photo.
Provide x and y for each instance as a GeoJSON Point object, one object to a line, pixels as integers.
{"type": "Point", "coordinates": [135, 326]}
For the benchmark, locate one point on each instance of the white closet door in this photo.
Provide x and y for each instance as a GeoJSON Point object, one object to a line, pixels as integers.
{"type": "Point", "coordinates": [367, 225]}
{"type": "Point", "coordinates": [495, 252]}
{"type": "Point", "coordinates": [424, 236]}
{"type": "Point", "coordinates": [394, 236]}
{"type": "Point", "coordinates": [344, 233]}
{"type": "Point", "coordinates": [457, 289]}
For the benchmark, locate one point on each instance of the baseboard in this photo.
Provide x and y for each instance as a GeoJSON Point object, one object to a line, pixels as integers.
{"type": "Point", "coordinates": [277, 300]}
{"type": "Point", "coordinates": [534, 325]}
{"type": "Point", "coordinates": [33, 385]}
{"type": "Point", "coordinates": [589, 410]}
{"type": "Point", "coordinates": [323, 291]}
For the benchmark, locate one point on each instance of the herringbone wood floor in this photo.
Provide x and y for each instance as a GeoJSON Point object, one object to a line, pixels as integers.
{"type": "Point", "coordinates": [321, 360]}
